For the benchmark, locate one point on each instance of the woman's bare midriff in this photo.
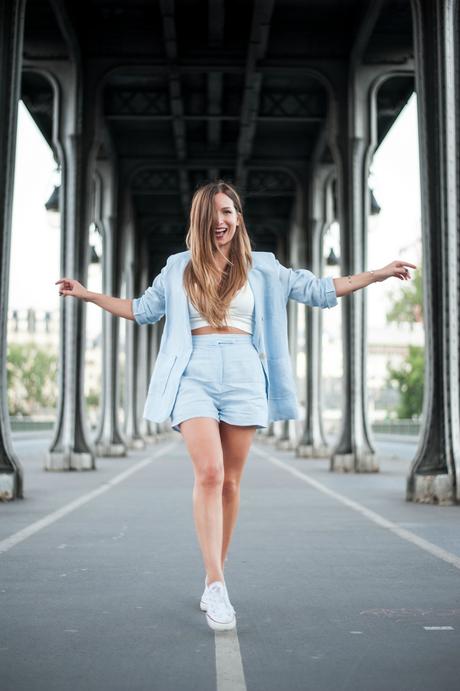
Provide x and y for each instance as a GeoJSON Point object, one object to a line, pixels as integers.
{"type": "Point", "coordinates": [224, 330]}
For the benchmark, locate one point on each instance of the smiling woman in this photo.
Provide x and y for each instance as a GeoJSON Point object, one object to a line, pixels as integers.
{"type": "Point", "coordinates": [220, 256]}
{"type": "Point", "coordinates": [217, 387]}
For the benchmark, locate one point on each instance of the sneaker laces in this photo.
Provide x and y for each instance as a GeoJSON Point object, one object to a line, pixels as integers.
{"type": "Point", "coordinates": [218, 594]}
{"type": "Point", "coordinates": [206, 585]}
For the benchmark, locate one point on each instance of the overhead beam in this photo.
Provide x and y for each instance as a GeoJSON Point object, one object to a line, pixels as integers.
{"type": "Point", "coordinates": [67, 22]}
{"type": "Point", "coordinates": [213, 119]}
{"type": "Point", "coordinates": [365, 29]}
{"type": "Point", "coordinates": [200, 163]}
{"type": "Point", "coordinates": [216, 24]}
{"type": "Point", "coordinates": [320, 147]}
{"type": "Point", "coordinates": [286, 66]}
{"type": "Point", "coordinates": [263, 10]}
{"type": "Point", "coordinates": [175, 92]}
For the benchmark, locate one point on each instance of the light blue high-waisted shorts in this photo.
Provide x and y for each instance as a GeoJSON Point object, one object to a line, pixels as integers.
{"type": "Point", "coordinates": [224, 379]}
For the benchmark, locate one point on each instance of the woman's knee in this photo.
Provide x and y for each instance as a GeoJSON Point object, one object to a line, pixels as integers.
{"type": "Point", "coordinates": [204, 445]}
{"type": "Point", "coordinates": [231, 487]}
{"type": "Point", "coordinates": [209, 474]}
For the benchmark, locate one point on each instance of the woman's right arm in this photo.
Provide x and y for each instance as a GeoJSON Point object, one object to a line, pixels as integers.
{"type": "Point", "coordinates": [120, 307]}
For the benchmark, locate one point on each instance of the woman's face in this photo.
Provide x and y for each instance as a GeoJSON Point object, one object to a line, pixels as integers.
{"type": "Point", "coordinates": [225, 220]}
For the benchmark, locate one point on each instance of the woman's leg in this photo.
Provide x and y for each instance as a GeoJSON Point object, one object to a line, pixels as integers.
{"type": "Point", "coordinates": [201, 436]}
{"type": "Point", "coordinates": [236, 442]}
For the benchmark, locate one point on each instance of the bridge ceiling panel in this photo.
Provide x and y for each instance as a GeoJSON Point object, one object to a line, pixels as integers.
{"type": "Point", "coordinates": [200, 89]}
{"type": "Point", "coordinates": [314, 29]}
{"type": "Point", "coordinates": [42, 36]}
{"type": "Point", "coordinates": [392, 39]}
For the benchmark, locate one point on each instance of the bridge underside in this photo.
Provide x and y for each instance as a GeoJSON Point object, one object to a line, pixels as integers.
{"type": "Point", "coordinates": [194, 91]}
{"type": "Point", "coordinates": [142, 101]}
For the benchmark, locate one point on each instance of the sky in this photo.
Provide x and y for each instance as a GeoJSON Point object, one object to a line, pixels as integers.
{"type": "Point", "coordinates": [393, 234]}
{"type": "Point", "coordinates": [35, 243]}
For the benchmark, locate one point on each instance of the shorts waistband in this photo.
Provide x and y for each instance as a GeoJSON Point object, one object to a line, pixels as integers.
{"type": "Point", "coordinates": [219, 339]}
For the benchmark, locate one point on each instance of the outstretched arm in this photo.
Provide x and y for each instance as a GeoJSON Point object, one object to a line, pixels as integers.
{"type": "Point", "coordinates": [344, 285]}
{"type": "Point", "coordinates": [120, 307]}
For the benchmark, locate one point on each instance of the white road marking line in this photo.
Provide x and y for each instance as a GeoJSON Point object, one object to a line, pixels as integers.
{"type": "Point", "coordinates": [229, 665]}
{"type": "Point", "coordinates": [438, 628]}
{"type": "Point", "coordinates": [44, 522]}
{"type": "Point", "coordinates": [403, 533]}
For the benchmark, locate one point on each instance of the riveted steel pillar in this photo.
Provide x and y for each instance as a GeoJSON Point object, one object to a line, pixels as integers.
{"type": "Point", "coordinates": [109, 440]}
{"type": "Point", "coordinates": [435, 470]}
{"type": "Point", "coordinates": [313, 442]}
{"type": "Point", "coordinates": [11, 34]}
{"type": "Point", "coordinates": [279, 431]}
{"type": "Point", "coordinates": [133, 436]}
{"type": "Point", "coordinates": [287, 440]}
{"type": "Point", "coordinates": [270, 434]}
{"type": "Point", "coordinates": [153, 347]}
{"type": "Point", "coordinates": [129, 255]}
{"type": "Point", "coordinates": [72, 448]}
{"type": "Point", "coordinates": [142, 334]}
{"type": "Point", "coordinates": [351, 146]}
{"type": "Point", "coordinates": [295, 256]}
{"type": "Point", "coordinates": [132, 433]}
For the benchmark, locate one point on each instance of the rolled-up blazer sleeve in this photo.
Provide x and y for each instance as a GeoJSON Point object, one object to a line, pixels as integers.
{"type": "Point", "coordinates": [303, 286]}
{"type": "Point", "coordinates": [150, 307]}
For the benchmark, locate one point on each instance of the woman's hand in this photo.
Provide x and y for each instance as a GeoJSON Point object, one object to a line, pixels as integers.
{"type": "Point", "coordinates": [71, 287]}
{"type": "Point", "coordinates": [397, 268]}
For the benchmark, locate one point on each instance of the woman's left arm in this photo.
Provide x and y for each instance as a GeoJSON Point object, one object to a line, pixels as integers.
{"type": "Point", "coordinates": [344, 285]}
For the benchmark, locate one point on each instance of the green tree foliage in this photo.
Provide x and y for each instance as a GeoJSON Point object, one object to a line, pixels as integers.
{"type": "Point", "coordinates": [408, 305]}
{"type": "Point", "coordinates": [93, 398]}
{"type": "Point", "coordinates": [31, 378]}
{"type": "Point", "coordinates": [409, 379]}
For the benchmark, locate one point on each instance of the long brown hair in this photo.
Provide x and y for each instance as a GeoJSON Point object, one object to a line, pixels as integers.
{"type": "Point", "coordinates": [208, 290]}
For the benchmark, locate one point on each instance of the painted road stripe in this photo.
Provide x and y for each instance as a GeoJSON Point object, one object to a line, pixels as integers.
{"type": "Point", "coordinates": [229, 665]}
{"type": "Point", "coordinates": [438, 628]}
{"type": "Point", "coordinates": [44, 522]}
{"type": "Point", "coordinates": [403, 533]}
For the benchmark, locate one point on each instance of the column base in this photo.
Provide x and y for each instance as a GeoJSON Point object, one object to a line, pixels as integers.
{"type": "Point", "coordinates": [431, 489]}
{"type": "Point", "coordinates": [6, 486]}
{"type": "Point", "coordinates": [311, 451]}
{"type": "Point", "coordinates": [137, 443]}
{"type": "Point", "coordinates": [152, 438]}
{"type": "Point", "coordinates": [61, 461]}
{"type": "Point", "coordinates": [107, 449]}
{"type": "Point", "coordinates": [285, 444]}
{"type": "Point", "coordinates": [352, 463]}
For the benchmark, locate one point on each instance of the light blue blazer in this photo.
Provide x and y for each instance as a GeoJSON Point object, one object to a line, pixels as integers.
{"type": "Point", "coordinates": [272, 284]}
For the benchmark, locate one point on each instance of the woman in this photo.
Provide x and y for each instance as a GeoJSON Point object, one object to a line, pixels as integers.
{"type": "Point", "coordinates": [223, 368]}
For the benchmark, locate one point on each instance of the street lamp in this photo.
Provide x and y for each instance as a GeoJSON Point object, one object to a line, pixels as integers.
{"type": "Point", "coordinates": [375, 207]}
{"type": "Point", "coordinates": [94, 256]}
{"type": "Point", "coordinates": [53, 202]}
{"type": "Point", "coordinates": [332, 259]}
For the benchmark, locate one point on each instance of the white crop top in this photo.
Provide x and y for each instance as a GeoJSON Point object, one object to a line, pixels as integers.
{"type": "Point", "coordinates": [240, 311]}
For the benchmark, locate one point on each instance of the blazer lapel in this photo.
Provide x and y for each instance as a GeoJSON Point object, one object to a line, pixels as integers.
{"type": "Point", "coordinates": [256, 282]}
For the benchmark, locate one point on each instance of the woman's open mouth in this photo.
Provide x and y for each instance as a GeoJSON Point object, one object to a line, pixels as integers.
{"type": "Point", "coordinates": [220, 234]}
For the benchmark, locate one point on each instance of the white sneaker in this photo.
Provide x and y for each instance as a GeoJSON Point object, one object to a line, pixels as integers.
{"type": "Point", "coordinates": [219, 613]}
{"type": "Point", "coordinates": [204, 597]}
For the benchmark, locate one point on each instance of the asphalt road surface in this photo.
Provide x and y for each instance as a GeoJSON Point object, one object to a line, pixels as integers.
{"type": "Point", "coordinates": [338, 582]}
